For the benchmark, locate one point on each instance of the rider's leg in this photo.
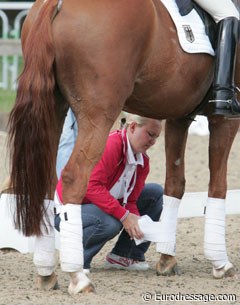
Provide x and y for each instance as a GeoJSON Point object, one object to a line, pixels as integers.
{"type": "Point", "coordinates": [219, 9]}
{"type": "Point", "coordinates": [224, 95]}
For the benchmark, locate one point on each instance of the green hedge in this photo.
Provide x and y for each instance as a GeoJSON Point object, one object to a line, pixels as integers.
{"type": "Point", "coordinates": [7, 100]}
{"type": "Point", "coordinates": [7, 96]}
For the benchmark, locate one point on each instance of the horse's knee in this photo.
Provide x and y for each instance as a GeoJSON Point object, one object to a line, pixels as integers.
{"type": "Point", "coordinates": [74, 186]}
{"type": "Point", "coordinates": [175, 187]}
{"type": "Point", "coordinates": [67, 176]}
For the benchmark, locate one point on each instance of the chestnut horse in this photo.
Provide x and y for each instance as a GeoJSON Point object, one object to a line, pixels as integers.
{"type": "Point", "coordinates": [100, 57]}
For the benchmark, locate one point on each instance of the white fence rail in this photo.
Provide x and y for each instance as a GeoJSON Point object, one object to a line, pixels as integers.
{"type": "Point", "coordinates": [9, 41]}
{"type": "Point", "coordinates": [23, 8]}
{"type": "Point", "coordinates": [192, 205]}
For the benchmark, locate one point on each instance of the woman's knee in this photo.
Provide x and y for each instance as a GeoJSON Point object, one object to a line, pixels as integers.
{"type": "Point", "coordinates": [152, 191]}
{"type": "Point", "coordinates": [114, 226]}
{"type": "Point", "coordinates": [151, 200]}
{"type": "Point", "coordinates": [157, 189]}
{"type": "Point", "coordinates": [103, 224]}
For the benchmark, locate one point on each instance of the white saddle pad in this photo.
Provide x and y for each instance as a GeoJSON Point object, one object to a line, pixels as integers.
{"type": "Point", "coordinates": [190, 29]}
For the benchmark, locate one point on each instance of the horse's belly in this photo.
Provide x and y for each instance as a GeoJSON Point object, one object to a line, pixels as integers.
{"type": "Point", "coordinates": [168, 102]}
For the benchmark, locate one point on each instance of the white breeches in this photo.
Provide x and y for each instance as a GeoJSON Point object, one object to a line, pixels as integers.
{"type": "Point", "coordinates": [44, 256]}
{"type": "Point", "coordinates": [214, 236]}
{"type": "Point", "coordinates": [71, 246]}
{"type": "Point", "coordinates": [168, 226]}
{"type": "Point", "coordinates": [219, 9]}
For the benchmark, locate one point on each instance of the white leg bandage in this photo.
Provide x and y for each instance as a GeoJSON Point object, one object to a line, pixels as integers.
{"type": "Point", "coordinates": [44, 256]}
{"type": "Point", "coordinates": [168, 226]}
{"type": "Point", "coordinates": [214, 237]}
{"type": "Point", "coordinates": [71, 247]}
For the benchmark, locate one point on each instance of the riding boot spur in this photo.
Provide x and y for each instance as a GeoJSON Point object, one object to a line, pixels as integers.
{"type": "Point", "coordinates": [224, 92]}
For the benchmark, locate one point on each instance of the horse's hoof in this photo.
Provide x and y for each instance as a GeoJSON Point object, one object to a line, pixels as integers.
{"type": "Point", "coordinates": [80, 283]}
{"type": "Point", "coordinates": [81, 287]}
{"type": "Point", "coordinates": [168, 267]}
{"type": "Point", "coordinates": [90, 288]}
{"type": "Point", "coordinates": [227, 271]}
{"type": "Point", "coordinates": [47, 282]}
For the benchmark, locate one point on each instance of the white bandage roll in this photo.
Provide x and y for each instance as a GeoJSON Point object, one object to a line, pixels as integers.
{"type": "Point", "coordinates": [168, 226]}
{"type": "Point", "coordinates": [44, 257]}
{"type": "Point", "coordinates": [214, 235]}
{"type": "Point", "coordinates": [71, 247]}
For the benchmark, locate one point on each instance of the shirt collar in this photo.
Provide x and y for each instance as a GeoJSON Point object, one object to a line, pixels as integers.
{"type": "Point", "coordinates": [131, 158]}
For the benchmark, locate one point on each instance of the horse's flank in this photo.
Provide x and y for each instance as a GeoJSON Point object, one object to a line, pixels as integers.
{"type": "Point", "coordinates": [99, 57]}
{"type": "Point", "coordinates": [131, 47]}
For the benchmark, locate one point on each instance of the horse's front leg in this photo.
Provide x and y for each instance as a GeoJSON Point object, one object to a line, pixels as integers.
{"type": "Point", "coordinates": [175, 142]}
{"type": "Point", "coordinates": [222, 134]}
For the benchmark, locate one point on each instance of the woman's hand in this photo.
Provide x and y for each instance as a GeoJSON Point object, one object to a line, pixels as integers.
{"type": "Point", "coordinates": [131, 226]}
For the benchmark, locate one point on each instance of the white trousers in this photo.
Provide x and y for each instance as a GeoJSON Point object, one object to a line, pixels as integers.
{"type": "Point", "coordinates": [219, 9]}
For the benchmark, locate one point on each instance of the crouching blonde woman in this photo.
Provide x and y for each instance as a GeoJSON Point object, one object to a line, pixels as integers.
{"type": "Point", "coordinates": [116, 197]}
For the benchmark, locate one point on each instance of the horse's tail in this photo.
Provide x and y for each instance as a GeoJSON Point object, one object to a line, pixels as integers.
{"type": "Point", "coordinates": [32, 122]}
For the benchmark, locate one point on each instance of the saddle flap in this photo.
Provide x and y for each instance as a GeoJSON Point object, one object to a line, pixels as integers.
{"type": "Point", "coordinates": [190, 29]}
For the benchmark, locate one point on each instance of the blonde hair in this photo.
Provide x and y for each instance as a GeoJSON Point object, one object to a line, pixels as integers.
{"type": "Point", "coordinates": [134, 118]}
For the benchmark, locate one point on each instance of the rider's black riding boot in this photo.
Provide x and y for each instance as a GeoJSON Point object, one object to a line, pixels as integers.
{"type": "Point", "coordinates": [224, 94]}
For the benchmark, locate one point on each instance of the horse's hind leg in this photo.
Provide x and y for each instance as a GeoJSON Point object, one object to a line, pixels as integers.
{"type": "Point", "coordinates": [94, 123]}
{"type": "Point", "coordinates": [222, 134]}
{"type": "Point", "coordinates": [175, 141]}
{"type": "Point", "coordinates": [44, 256]}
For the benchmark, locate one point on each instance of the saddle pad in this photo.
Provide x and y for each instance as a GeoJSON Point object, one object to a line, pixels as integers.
{"type": "Point", "coordinates": [190, 29]}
